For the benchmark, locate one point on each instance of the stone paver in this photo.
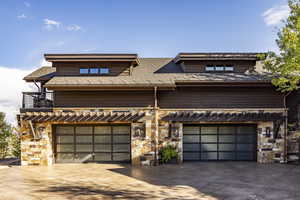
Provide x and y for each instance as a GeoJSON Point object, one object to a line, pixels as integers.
{"type": "Point", "coordinates": [207, 180]}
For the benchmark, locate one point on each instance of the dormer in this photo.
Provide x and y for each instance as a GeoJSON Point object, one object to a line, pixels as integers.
{"type": "Point", "coordinates": [93, 64]}
{"type": "Point", "coordinates": [217, 62]}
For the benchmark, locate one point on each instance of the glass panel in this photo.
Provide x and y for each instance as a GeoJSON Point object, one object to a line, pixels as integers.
{"type": "Point", "coordinates": [209, 68]}
{"type": "Point", "coordinates": [191, 156]}
{"type": "Point", "coordinates": [84, 148]}
{"type": "Point", "coordinates": [65, 148]}
{"type": "Point", "coordinates": [191, 147]}
{"type": "Point", "coordinates": [102, 139]}
{"type": "Point", "coordinates": [209, 147]}
{"type": "Point", "coordinates": [104, 70]}
{"type": "Point", "coordinates": [246, 130]}
{"type": "Point", "coordinates": [84, 139]}
{"type": "Point", "coordinates": [64, 130]}
{"type": "Point", "coordinates": [102, 157]}
{"type": "Point", "coordinates": [84, 70]}
{"type": "Point", "coordinates": [65, 139]}
{"type": "Point", "coordinates": [83, 157]}
{"type": "Point", "coordinates": [121, 156]}
{"type": "Point", "coordinates": [219, 68]}
{"type": "Point", "coordinates": [229, 68]}
{"type": "Point", "coordinates": [208, 138]}
{"type": "Point", "coordinates": [244, 147]}
{"type": "Point", "coordinates": [64, 157]}
{"type": "Point", "coordinates": [227, 138]}
{"type": "Point", "coordinates": [209, 156]}
{"type": "Point", "coordinates": [191, 138]}
{"type": "Point", "coordinates": [121, 130]}
{"type": "Point", "coordinates": [94, 70]}
{"type": "Point", "coordinates": [226, 156]}
{"type": "Point", "coordinates": [245, 156]}
{"type": "Point", "coordinates": [121, 148]}
{"type": "Point", "coordinates": [103, 147]}
{"type": "Point", "coordinates": [102, 130]}
{"type": "Point", "coordinates": [209, 130]}
{"type": "Point", "coordinates": [121, 139]}
{"type": "Point", "coordinates": [226, 130]}
{"type": "Point", "coordinates": [245, 139]}
{"type": "Point", "coordinates": [188, 130]}
{"type": "Point", "coordinates": [226, 147]}
{"type": "Point", "coordinates": [84, 130]}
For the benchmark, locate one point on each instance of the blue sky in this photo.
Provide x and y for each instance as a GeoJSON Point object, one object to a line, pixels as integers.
{"type": "Point", "coordinates": [149, 28]}
{"type": "Point", "coordinates": [156, 28]}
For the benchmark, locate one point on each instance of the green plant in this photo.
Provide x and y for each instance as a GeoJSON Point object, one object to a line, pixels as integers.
{"type": "Point", "coordinates": [5, 133]}
{"type": "Point", "coordinates": [168, 153]}
{"type": "Point", "coordinates": [15, 144]}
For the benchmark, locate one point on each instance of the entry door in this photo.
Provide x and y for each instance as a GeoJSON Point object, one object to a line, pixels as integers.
{"type": "Point", "coordinates": [219, 142]}
{"type": "Point", "coordinates": [107, 143]}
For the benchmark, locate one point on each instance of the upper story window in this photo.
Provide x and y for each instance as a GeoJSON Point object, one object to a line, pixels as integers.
{"type": "Point", "coordinates": [219, 68]}
{"type": "Point", "coordinates": [104, 70]}
{"type": "Point", "coordinates": [84, 70]}
{"type": "Point", "coordinates": [100, 71]}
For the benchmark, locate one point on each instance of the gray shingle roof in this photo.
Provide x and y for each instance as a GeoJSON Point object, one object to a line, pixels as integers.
{"type": "Point", "coordinates": [43, 73]}
{"type": "Point", "coordinates": [155, 72]}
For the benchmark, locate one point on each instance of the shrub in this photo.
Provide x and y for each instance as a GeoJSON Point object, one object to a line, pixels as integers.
{"type": "Point", "coordinates": [168, 153]}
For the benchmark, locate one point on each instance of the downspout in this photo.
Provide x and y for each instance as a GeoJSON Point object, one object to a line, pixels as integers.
{"type": "Point", "coordinates": [285, 158]}
{"type": "Point", "coordinates": [156, 127]}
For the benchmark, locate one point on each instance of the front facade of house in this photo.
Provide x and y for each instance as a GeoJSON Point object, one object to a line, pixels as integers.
{"type": "Point", "coordinates": [122, 108]}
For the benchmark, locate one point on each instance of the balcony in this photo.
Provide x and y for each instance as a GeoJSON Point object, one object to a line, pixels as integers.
{"type": "Point", "coordinates": [37, 101]}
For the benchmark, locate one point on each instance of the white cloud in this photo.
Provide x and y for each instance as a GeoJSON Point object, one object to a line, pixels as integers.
{"type": "Point", "coordinates": [11, 93]}
{"type": "Point", "coordinates": [22, 16]}
{"type": "Point", "coordinates": [27, 4]}
{"type": "Point", "coordinates": [276, 14]}
{"type": "Point", "coordinates": [45, 63]}
{"type": "Point", "coordinates": [74, 27]}
{"type": "Point", "coordinates": [51, 24]}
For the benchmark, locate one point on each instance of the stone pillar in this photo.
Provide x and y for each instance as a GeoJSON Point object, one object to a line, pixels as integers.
{"type": "Point", "coordinates": [37, 151]}
{"type": "Point", "coordinates": [140, 143]}
{"type": "Point", "coordinates": [269, 149]}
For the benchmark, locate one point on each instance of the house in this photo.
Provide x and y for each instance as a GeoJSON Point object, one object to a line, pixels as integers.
{"type": "Point", "coordinates": [123, 108]}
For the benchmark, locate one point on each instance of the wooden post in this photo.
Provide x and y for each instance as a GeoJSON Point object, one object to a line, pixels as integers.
{"type": "Point", "coordinates": [156, 127]}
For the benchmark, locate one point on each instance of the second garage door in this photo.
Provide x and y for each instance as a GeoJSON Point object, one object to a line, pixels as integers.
{"type": "Point", "coordinates": [219, 142]}
{"type": "Point", "coordinates": [98, 143]}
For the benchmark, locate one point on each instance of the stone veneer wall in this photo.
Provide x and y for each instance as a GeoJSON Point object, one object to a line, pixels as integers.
{"type": "Point", "coordinates": [40, 152]}
{"type": "Point", "coordinates": [37, 151]}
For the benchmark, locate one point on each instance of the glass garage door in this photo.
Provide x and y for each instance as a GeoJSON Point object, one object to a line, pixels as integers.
{"type": "Point", "coordinates": [92, 143]}
{"type": "Point", "coordinates": [219, 142]}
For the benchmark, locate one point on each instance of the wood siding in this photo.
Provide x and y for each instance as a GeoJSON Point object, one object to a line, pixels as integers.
{"type": "Point", "coordinates": [103, 99]}
{"type": "Point", "coordinates": [182, 97]}
{"type": "Point", "coordinates": [293, 104]}
{"type": "Point", "coordinates": [199, 66]}
{"type": "Point", "coordinates": [72, 69]}
{"type": "Point", "coordinates": [220, 97]}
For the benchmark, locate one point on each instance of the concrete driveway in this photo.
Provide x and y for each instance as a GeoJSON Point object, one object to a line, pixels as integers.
{"type": "Point", "coordinates": [210, 180]}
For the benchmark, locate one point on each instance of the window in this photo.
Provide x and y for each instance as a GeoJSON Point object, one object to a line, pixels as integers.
{"type": "Point", "coordinates": [104, 70]}
{"type": "Point", "coordinates": [84, 70]}
{"type": "Point", "coordinates": [219, 68]}
{"type": "Point", "coordinates": [209, 68]}
{"type": "Point", "coordinates": [229, 68]}
{"type": "Point", "coordinates": [94, 70]}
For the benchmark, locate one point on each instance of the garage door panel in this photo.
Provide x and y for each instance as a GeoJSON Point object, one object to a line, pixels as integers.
{"type": "Point", "coordinates": [209, 147]}
{"type": "Point", "coordinates": [191, 147]}
{"type": "Point", "coordinates": [209, 156]}
{"type": "Point", "coordinates": [226, 147]}
{"type": "Point", "coordinates": [209, 138]}
{"type": "Point", "coordinates": [65, 148]}
{"type": "Point", "coordinates": [219, 142]}
{"type": "Point", "coordinates": [191, 156]}
{"type": "Point", "coordinates": [102, 157]}
{"type": "Point", "coordinates": [95, 143]}
{"type": "Point", "coordinates": [191, 139]}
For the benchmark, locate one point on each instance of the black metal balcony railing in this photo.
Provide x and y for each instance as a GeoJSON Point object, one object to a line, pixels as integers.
{"type": "Point", "coordinates": [37, 100]}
